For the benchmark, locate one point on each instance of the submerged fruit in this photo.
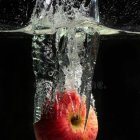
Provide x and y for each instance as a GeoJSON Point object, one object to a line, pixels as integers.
{"type": "Point", "coordinates": [65, 119]}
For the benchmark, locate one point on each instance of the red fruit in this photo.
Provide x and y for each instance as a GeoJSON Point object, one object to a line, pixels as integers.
{"type": "Point", "coordinates": [65, 120]}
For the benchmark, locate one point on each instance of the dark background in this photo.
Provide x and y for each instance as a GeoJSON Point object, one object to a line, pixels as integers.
{"type": "Point", "coordinates": [117, 87]}
{"type": "Point", "coordinates": [120, 14]}
{"type": "Point", "coordinates": [116, 79]}
{"type": "Point", "coordinates": [15, 14]}
{"type": "Point", "coordinates": [16, 87]}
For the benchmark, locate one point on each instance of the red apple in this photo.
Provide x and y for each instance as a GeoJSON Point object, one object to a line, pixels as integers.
{"type": "Point", "coordinates": [65, 119]}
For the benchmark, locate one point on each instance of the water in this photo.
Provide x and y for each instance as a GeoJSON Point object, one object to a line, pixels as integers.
{"type": "Point", "coordinates": [64, 49]}
{"type": "Point", "coordinates": [64, 60]}
{"type": "Point", "coordinates": [65, 44]}
{"type": "Point", "coordinates": [53, 67]}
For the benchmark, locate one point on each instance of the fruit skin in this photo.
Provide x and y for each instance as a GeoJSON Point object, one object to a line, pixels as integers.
{"type": "Point", "coordinates": [66, 118]}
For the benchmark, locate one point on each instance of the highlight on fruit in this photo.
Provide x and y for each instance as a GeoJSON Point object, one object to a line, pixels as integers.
{"type": "Point", "coordinates": [64, 119]}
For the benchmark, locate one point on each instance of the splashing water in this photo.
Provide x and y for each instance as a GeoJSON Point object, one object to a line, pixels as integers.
{"type": "Point", "coordinates": [54, 14]}
{"type": "Point", "coordinates": [64, 55]}
{"type": "Point", "coordinates": [64, 60]}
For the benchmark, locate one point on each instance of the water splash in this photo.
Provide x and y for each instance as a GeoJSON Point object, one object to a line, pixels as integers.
{"type": "Point", "coordinates": [54, 14]}
{"type": "Point", "coordinates": [64, 61]}
{"type": "Point", "coordinates": [65, 57]}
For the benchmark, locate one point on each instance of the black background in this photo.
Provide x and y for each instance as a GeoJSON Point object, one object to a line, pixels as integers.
{"type": "Point", "coordinates": [120, 14]}
{"type": "Point", "coordinates": [16, 87]}
{"type": "Point", "coordinates": [15, 14]}
{"type": "Point", "coordinates": [117, 88]}
{"type": "Point", "coordinates": [116, 79]}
